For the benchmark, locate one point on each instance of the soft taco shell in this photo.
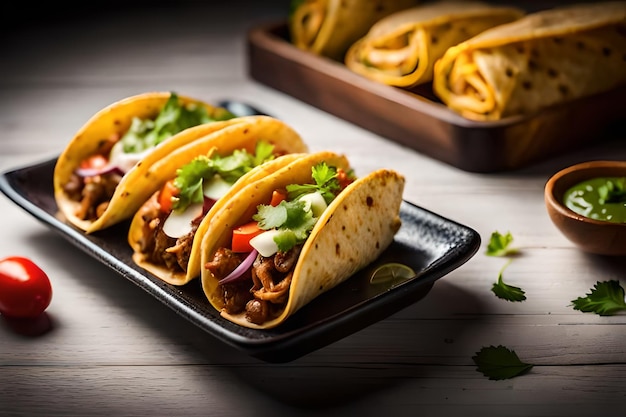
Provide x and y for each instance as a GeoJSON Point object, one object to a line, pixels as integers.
{"type": "Point", "coordinates": [116, 119]}
{"type": "Point", "coordinates": [353, 231]}
{"type": "Point", "coordinates": [402, 48]}
{"type": "Point", "coordinates": [138, 224]}
{"type": "Point", "coordinates": [545, 58]}
{"type": "Point", "coordinates": [328, 27]}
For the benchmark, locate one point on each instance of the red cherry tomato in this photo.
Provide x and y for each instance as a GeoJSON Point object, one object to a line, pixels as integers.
{"type": "Point", "coordinates": [25, 289]}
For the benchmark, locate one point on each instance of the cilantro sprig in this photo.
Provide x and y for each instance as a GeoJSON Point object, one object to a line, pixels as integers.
{"type": "Point", "coordinates": [326, 183]}
{"type": "Point", "coordinates": [505, 291]}
{"type": "Point", "coordinates": [605, 299]}
{"type": "Point", "coordinates": [191, 176]}
{"type": "Point", "coordinates": [500, 245]}
{"type": "Point", "coordinates": [293, 218]}
{"type": "Point", "coordinates": [173, 118]}
{"type": "Point", "coordinates": [499, 363]}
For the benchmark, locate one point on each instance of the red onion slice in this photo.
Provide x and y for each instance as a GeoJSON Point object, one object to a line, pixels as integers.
{"type": "Point", "coordinates": [243, 267]}
{"type": "Point", "coordinates": [208, 203]}
{"type": "Point", "coordinates": [91, 172]}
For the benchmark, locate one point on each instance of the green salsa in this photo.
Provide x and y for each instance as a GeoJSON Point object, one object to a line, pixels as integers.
{"type": "Point", "coordinates": [602, 198]}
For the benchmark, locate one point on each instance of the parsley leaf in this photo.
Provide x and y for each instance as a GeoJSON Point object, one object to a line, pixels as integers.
{"type": "Point", "coordinates": [499, 363]}
{"type": "Point", "coordinates": [605, 299]}
{"type": "Point", "coordinates": [326, 182]}
{"type": "Point", "coordinates": [505, 291]}
{"type": "Point", "coordinates": [500, 245]}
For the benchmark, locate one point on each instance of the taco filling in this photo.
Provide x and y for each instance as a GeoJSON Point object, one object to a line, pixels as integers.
{"type": "Point", "coordinates": [171, 218]}
{"type": "Point", "coordinates": [94, 182]}
{"type": "Point", "coordinates": [255, 272]}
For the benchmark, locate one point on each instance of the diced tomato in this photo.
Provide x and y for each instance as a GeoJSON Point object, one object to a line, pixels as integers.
{"type": "Point", "coordinates": [277, 197]}
{"type": "Point", "coordinates": [94, 162]}
{"type": "Point", "coordinates": [344, 178]}
{"type": "Point", "coordinates": [166, 195]}
{"type": "Point", "coordinates": [242, 236]}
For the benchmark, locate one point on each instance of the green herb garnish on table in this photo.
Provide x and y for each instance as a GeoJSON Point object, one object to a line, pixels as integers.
{"type": "Point", "coordinates": [605, 299]}
{"type": "Point", "coordinates": [499, 363]}
{"type": "Point", "coordinates": [507, 292]}
{"type": "Point", "coordinates": [500, 246]}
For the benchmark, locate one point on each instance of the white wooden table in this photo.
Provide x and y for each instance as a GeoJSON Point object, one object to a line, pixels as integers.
{"type": "Point", "coordinates": [115, 350]}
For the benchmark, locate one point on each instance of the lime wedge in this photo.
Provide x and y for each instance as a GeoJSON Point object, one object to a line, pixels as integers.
{"type": "Point", "coordinates": [392, 273]}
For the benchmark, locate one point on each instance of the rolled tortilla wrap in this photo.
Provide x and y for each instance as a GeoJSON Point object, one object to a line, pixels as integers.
{"type": "Point", "coordinates": [402, 48]}
{"type": "Point", "coordinates": [546, 58]}
{"type": "Point", "coordinates": [328, 27]}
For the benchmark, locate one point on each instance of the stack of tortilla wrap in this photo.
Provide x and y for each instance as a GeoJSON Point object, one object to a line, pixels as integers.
{"type": "Point", "coordinates": [402, 48]}
{"type": "Point", "coordinates": [129, 137]}
{"type": "Point", "coordinates": [546, 58]}
{"type": "Point", "coordinates": [262, 290]}
{"type": "Point", "coordinates": [174, 256]}
{"type": "Point", "coordinates": [328, 27]}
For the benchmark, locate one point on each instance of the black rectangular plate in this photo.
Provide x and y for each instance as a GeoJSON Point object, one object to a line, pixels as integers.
{"type": "Point", "coordinates": [430, 244]}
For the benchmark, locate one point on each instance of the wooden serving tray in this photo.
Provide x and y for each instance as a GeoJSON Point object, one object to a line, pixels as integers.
{"type": "Point", "coordinates": [419, 120]}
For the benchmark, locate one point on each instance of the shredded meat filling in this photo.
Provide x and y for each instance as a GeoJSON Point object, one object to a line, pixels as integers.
{"type": "Point", "coordinates": [236, 294]}
{"type": "Point", "coordinates": [94, 193]}
{"type": "Point", "coordinates": [263, 291]}
{"type": "Point", "coordinates": [160, 248]}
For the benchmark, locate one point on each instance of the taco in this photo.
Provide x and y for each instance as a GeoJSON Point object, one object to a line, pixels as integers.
{"type": "Point", "coordinates": [546, 58]}
{"type": "Point", "coordinates": [328, 27]}
{"type": "Point", "coordinates": [165, 232]}
{"type": "Point", "coordinates": [279, 243]}
{"type": "Point", "coordinates": [93, 174]}
{"type": "Point", "coordinates": [402, 48]}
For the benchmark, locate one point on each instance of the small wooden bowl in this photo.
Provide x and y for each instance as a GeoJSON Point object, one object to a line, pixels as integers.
{"type": "Point", "coordinates": [593, 236]}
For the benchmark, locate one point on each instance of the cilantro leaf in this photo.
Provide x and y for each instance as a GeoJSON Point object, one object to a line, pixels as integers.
{"type": "Point", "coordinates": [500, 244]}
{"type": "Point", "coordinates": [605, 299]}
{"type": "Point", "coordinates": [290, 217]}
{"type": "Point", "coordinates": [326, 182]}
{"type": "Point", "coordinates": [499, 363]}
{"type": "Point", "coordinates": [505, 291]}
{"type": "Point", "coordinates": [191, 176]}
{"type": "Point", "coordinates": [173, 118]}
{"type": "Point", "coordinates": [293, 217]}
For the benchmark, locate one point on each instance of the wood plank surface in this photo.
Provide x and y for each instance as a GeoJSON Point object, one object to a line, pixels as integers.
{"type": "Point", "coordinates": [115, 350]}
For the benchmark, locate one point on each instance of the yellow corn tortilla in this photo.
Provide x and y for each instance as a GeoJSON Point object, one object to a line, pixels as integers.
{"type": "Point", "coordinates": [242, 135]}
{"type": "Point", "coordinates": [178, 277]}
{"type": "Point", "coordinates": [328, 27]}
{"type": "Point", "coordinates": [543, 59]}
{"type": "Point", "coordinates": [402, 48]}
{"type": "Point", "coordinates": [138, 183]}
{"type": "Point", "coordinates": [351, 233]}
